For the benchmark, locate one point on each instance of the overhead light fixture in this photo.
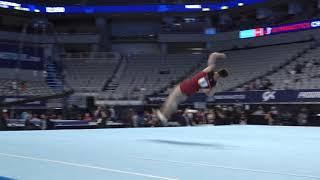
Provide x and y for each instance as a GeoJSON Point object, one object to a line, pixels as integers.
{"type": "Point", "coordinates": [240, 4]}
{"type": "Point", "coordinates": [55, 9]}
{"type": "Point", "coordinates": [4, 6]}
{"type": "Point", "coordinates": [6, 3]}
{"type": "Point", "coordinates": [205, 9]}
{"type": "Point", "coordinates": [193, 6]}
{"type": "Point", "coordinates": [224, 7]}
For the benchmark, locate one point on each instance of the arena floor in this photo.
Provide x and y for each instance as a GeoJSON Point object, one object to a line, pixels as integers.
{"type": "Point", "coordinates": [186, 153]}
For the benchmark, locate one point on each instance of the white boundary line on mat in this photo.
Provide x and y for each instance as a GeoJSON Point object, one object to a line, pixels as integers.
{"type": "Point", "coordinates": [206, 164]}
{"type": "Point", "coordinates": [86, 166]}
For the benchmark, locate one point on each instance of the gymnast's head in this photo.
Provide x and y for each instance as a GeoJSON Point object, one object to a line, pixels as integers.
{"type": "Point", "coordinates": [222, 73]}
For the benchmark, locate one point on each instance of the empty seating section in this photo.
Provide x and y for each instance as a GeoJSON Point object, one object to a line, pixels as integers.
{"type": "Point", "coordinates": [140, 75]}
{"type": "Point", "coordinates": [9, 87]}
{"type": "Point", "coordinates": [23, 83]}
{"type": "Point", "coordinates": [303, 73]}
{"type": "Point", "coordinates": [22, 74]}
{"type": "Point", "coordinates": [144, 75]}
{"type": "Point", "coordinates": [89, 73]}
{"type": "Point", "coordinates": [245, 65]}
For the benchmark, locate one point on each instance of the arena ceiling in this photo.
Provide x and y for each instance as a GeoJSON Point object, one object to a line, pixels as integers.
{"type": "Point", "coordinates": [113, 2]}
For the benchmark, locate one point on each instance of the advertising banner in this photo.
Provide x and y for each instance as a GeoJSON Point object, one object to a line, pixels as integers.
{"type": "Point", "coordinates": [30, 58]}
{"type": "Point", "coordinates": [272, 30]}
{"type": "Point", "coordinates": [276, 96]}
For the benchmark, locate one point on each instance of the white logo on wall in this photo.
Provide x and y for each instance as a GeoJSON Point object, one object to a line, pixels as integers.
{"type": "Point", "coordinates": [309, 95]}
{"type": "Point", "coordinates": [268, 30]}
{"type": "Point", "coordinates": [315, 24]}
{"type": "Point", "coordinates": [269, 95]}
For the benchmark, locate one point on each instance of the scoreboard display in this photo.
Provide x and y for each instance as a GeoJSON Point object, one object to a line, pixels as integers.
{"type": "Point", "coordinates": [300, 26]}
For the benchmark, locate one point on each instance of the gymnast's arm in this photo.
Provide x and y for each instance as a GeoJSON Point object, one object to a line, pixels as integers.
{"type": "Point", "coordinates": [214, 57]}
{"type": "Point", "coordinates": [212, 61]}
{"type": "Point", "coordinates": [209, 92]}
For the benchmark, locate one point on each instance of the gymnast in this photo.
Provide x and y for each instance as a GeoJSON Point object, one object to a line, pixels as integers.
{"type": "Point", "coordinates": [204, 81]}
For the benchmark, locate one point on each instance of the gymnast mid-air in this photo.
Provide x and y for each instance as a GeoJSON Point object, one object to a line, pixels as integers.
{"type": "Point", "coordinates": [204, 81]}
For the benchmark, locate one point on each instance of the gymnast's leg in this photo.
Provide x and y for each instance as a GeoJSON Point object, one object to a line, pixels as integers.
{"type": "Point", "coordinates": [171, 104]}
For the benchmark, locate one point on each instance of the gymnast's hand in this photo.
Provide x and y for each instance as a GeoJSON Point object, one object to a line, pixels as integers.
{"type": "Point", "coordinates": [214, 56]}
{"type": "Point", "coordinates": [217, 55]}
